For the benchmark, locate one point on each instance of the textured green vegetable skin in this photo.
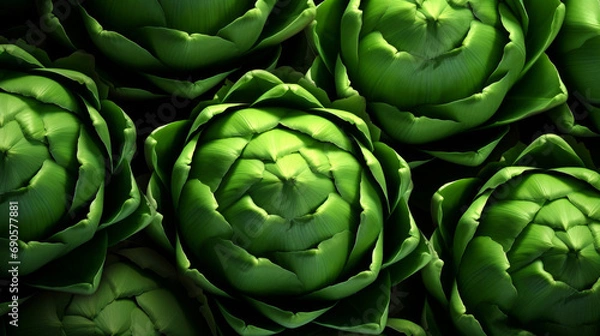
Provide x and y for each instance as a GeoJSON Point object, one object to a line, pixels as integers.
{"type": "Point", "coordinates": [518, 252]}
{"type": "Point", "coordinates": [284, 208]}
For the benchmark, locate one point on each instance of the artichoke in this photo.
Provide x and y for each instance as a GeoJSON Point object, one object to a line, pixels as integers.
{"type": "Point", "coordinates": [177, 47]}
{"type": "Point", "coordinates": [445, 76]}
{"type": "Point", "coordinates": [576, 55]}
{"type": "Point", "coordinates": [517, 248]}
{"type": "Point", "coordinates": [139, 294]}
{"type": "Point", "coordinates": [282, 206]}
{"type": "Point", "coordinates": [65, 176]}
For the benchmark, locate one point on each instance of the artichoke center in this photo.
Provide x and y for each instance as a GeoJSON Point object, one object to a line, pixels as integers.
{"type": "Point", "coordinates": [22, 156]}
{"type": "Point", "coordinates": [561, 237]}
{"type": "Point", "coordinates": [280, 185]}
{"type": "Point", "coordinates": [276, 194]}
{"type": "Point", "coordinates": [444, 49]}
{"type": "Point", "coordinates": [290, 189]}
{"type": "Point", "coordinates": [424, 28]}
{"type": "Point", "coordinates": [284, 184]}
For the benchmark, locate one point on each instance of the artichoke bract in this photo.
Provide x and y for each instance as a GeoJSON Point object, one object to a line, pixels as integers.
{"type": "Point", "coordinates": [518, 252]}
{"type": "Point", "coordinates": [139, 294]}
{"type": "Point", "coordinates": [282, 206]}
{"type": "Point", "coordinates": [178, 47]}
{"type": "Point", "coordinates": [433, 70]}
{"type": "Point", "coordinates": [65, 176]}
{"type": "Point", "coordinates": [576, 55]}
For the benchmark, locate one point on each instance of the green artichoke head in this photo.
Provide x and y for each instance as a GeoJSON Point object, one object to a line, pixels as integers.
{"type": "Point", "coordinates": [139, 294]}
{"type": "Point", "coordinates": [520, 251]}
{"type": "Point", "coordinates": [434, 69]}
{"type": "Point", "coordinates": [182, 47]}
{"type": "Point", "coordinates": [65, 175]}
{"type": "Point", "coordinates": [285, 205]}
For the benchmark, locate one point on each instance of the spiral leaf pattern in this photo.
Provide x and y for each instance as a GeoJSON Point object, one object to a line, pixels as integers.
{"type": "Point", "coordinates": [292, 189]}
{"type": "Point", "coordinates": [280, 204]}
{"type": "Point", "coordinates": [538, 248]}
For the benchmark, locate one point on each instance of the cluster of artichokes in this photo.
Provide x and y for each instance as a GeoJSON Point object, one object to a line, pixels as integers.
{"type": "Point", "coordinates": [335, 167]}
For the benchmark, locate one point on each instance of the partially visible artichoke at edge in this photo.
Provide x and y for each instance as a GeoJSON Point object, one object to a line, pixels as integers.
{"type": "Point", "coordinates": [65, 159]}
{"type": "Point", "coordinates": [576, 53]}
{"type": "Point", "coordinates": [183, 47]}
{"type": "Point", "coordinates": [139, 295]}
{"type": "Point", "coordinates": [517, 249]}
